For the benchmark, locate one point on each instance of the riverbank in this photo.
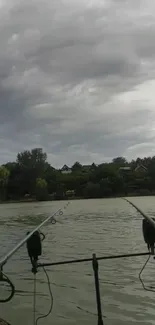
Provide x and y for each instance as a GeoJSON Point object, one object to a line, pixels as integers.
{"type": "Point", "coordinates": [73, 198]}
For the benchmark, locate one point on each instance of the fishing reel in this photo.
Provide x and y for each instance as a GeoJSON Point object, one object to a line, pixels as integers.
{"type": "Point", "coordinates": [34, 248]}
{"type": "Point", "coordinates": [149, 235]}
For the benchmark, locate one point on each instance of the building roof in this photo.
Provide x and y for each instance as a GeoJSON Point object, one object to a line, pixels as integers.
{"type": "Point", "coordinates": [65, 167]}
{"type": "Point", "coordinates": [140, 166]}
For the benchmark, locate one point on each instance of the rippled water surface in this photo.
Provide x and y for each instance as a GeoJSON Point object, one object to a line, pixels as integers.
{"type": "Point", "coordinates": [89, 226]}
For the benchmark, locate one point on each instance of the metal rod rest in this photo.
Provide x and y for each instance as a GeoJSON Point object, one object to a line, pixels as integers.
{"type": "Point", "coordinates": [82, 260]}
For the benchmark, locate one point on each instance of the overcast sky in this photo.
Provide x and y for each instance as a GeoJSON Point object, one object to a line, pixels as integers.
{"type": "Point", "coordinates": [77, 79]}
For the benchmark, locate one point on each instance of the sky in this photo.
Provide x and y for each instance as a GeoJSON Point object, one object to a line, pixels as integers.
{"type": "Point", "coordinates": [77, 79]}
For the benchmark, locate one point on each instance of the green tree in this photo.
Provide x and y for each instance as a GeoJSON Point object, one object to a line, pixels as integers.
{"type": "Point", "coordinates": [4, 176]}
{"type": "Point", "coordinates": [51, 177]}
{"type": "Point", "coordinates": [16, 187]}
{"type": "Point", "coordinates": [92, 190]}
{"type": "Point", "coordinates": [41, 189]}
{"type": "Point", "coordinates": [119, 161]}
{"type": "Point", "coordinates": [105, 187]}
{"type": "Point", "coordinates": [35, 159]}
{"type": "Point", "coordinates": [32, 174]}
{"type": "Point", "coordinates": [33, 165]}
{"type": "Point", "coordinates": [93, 167]}
{"type": "Point", "coordinates": [117, 185]}
{"type": "Point", "coordinates": [76, 167]}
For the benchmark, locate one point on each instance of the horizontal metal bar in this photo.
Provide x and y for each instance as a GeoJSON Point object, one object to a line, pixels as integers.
{"type": "Point", "coordinates": [110, 257]}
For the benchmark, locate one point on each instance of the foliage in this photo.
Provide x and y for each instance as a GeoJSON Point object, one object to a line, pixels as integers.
{"type": "Point", "coordinates": [4, 176]}
{"type": "Point", "coordinates": [32, 164]}
{"type": "Point", "coordinates": [76, 167]}
{"type": "Point", "coordinates": [41, 189]}
{"type": "Point", "coordinates": [119, 161]}
{"type": "Point", "coordinates": [31, 175]}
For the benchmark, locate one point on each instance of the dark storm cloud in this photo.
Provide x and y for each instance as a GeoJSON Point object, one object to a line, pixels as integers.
{"type": "Point", "coordinates": [75, 78]}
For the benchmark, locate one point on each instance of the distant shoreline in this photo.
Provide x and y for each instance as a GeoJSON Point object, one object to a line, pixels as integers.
{"type": "Point", "coordinates": [77, 198]}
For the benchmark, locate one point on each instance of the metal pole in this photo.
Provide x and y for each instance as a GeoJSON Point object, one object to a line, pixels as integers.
{"type": "Point", "coordinates": [97, 287]}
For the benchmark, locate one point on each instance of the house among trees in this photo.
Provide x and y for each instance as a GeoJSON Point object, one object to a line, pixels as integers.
{"type": "Point", "coordinates": [70, 193]}
{"type": "Point", "coordinates": [89, 168]}
{"type": "Point", "coordinates": [66, 170]}
{"type": "Point", "coordinates": [86, 168]}
{"type": "Point", "coordinates": [140, 168]}
{"type": "Point", "coordinates": [31, 178]}
{"type": "Point", "coordinates": [125, 169]}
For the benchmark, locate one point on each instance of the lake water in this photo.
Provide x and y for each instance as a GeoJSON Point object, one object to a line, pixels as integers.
{"type": "Point", "coordinates": [90, 226]}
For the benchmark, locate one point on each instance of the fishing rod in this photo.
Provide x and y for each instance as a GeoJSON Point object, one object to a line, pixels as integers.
{"type": "Point", "coordinates": [149, 237]}
{"type": "Point", "coordinates": [27, 237]}
{"type": "Point", "coordinates": [35, 233]}
{"type": "Point", "coordinates": [34, 248]}
{"type": "Point", "coordinates": [150, 220]}
{"type": "Point", "coordinates": [148, 227]}
{"type": "Point", "coordinates": [51, 218]}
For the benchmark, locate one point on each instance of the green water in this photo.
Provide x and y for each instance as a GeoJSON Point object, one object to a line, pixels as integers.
{"type": "Point", "coordinates": [88, 226]}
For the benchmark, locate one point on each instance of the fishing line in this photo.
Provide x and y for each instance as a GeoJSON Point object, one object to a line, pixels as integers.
{"type": "Point", "coordinates": [149, 237]}
{"type": "Point", "coordinates": [150, 288]}
{"type": "Point", "coordinates": [34, 258]}
{"type": "Point", "coordinates": [51, 299]}
{"type": "Point", "coordinates": [141, 271]}
{"type": "Point", "coordinates": [7, 256]}
{"type": "Point", "coordinates": [143, 214]}
{"type": "Point", "coordinates": [23, 241]}
{"type": "Point", "coordinates": [34, 299]}
{"type": "Point", "coordinates": [34, 247]}
{"type": "Point", "coordinates": [60, 213]}
{"type": "Point", "coordinates": [2, 274]}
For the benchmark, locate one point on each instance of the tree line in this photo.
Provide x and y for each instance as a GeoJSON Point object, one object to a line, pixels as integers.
{"type": "Point", "coordinates": [31, 177]}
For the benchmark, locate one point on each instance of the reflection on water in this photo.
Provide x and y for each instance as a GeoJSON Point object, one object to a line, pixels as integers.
{"type": "Point", "coordinates": [89, 226]}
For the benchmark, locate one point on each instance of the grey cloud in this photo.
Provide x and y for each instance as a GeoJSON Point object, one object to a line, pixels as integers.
{"type": "Point", "coordinates": [63, 66]}
{"type": "Point", "coordinates": [103, 138]}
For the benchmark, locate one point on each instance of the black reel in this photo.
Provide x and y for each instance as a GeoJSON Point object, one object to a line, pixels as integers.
{"type": "Point", "coordinates": [34, 248]}
{"type": "Point", "coordinates": [149, 235]}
